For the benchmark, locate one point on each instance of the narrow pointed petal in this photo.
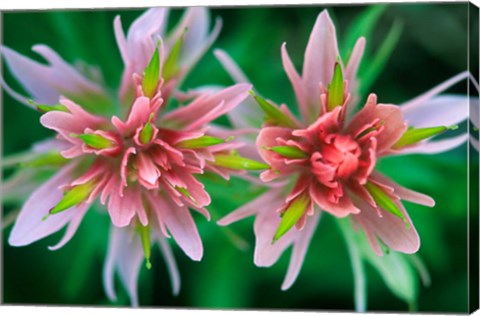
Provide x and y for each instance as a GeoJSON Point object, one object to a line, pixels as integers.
{"type": "Point", "coordinates": [446, 110]}
{"type": "Point", "coordinates": [250, 208]}
{"type": "Point", "coordinates": [342, 208]}
{"type": "Point", "coordinates": [207, 107]}
{"type": "Point", "coordinates": [140, 36]}
{"type": "Point", "coordinates": [405, 193]}
{"type": "Point", "coordinates": [296, 82]}
{"type": "Point", "coordinates": [420, 100]}
{"type": "Point", "coordinates": [266, 224]}
{"type": "Point", "coordinates": [123, 209]}
{"type": "Point", "coordinates": [180, 223]}
{"type": "Point", "coordinates": [230, 66]}
{"type": "Point", "coordinates": [319, 61]}
{"type": "Point", "coordinates": [433, 147]}
{"type": "Point", "coordinates": [114, 247]}
{"type": "Point", "coordinates": [72, 226]}
{"type": "Point", "coordinates": [46, 82]}
{"type": "Point", "coordinates": [389, 228]}
{"type": "Point", "coordinates": [171, 264]}
{"type": "Point", "coordinates": [196, 21]}
{"type": "Point", "coordinates": [300, 248]}
{"type": "Point", "coordinates": [120, 37]}
{"type": "Point", "coordinates": [391, 118]}
{"type": "Point", "coordinates": [354, 60]}
{"type": "Point", "coordinates": [29, 226]}
{"type": "Point", "coordinates": [247, 114]}
{"type": "Point", "coordinates": [129, 261]}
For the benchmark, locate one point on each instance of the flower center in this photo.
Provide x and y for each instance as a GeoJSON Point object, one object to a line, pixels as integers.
{"type": "Point", "coordinates": [336, 158]}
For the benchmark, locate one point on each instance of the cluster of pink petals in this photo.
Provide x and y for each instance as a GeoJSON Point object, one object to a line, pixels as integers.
{"type": "Point", "coordinates": [341, 150]}
{"type": "Point", "coordinates": [148, 183]}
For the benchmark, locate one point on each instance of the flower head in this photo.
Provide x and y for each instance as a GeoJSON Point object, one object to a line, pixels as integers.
{"type": "Point", "coordinates": [142, 161]}
{"type": "Point", "coordinates": [325, 161]}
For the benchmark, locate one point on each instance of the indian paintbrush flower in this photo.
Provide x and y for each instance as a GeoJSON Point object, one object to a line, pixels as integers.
{"type": "Point", "coordinates": [142, 161]}
{"type": "Point", "coordinates": [326, 160]}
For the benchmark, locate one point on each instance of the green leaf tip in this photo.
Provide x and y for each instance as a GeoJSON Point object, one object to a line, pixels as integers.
{"type": "Point", "coordinates": [336, 89]}
{"type": "Point", "coordinates": [273, 113]}
{"type": "Point", "coordinates": [238, 163]}
{"type": "Point", "coordinates": [95, 141]}
{"type": "Point", "coordinates": [146, 133]}
{"type": "Point", "coordinates": [187, 194]}
{"type": "Point", "coordinates": [202, 142]}
{"type": "Point", "coordinates": [414, 135]}
{"type": "Point", "coordinates": [144, 232]}
{"type": "Point", "coordinates": [291, 152]}
{"type": "Point", "coordinates": [74, 196]}
{"type": "Point", "coordinates": [291, 215]}
{"type": "Point", "coordinates": [171, 67]}
{"type": "Point", "coordinates": [44, 108]}
{"type": "Point", "coordinates": [48, 159]}
{"type": "Point", "coordinates": [151, 75]}
{"type": "Point", "coordinates": [384, 201]}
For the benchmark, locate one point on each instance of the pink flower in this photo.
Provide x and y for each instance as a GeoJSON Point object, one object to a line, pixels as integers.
{"type": "Point", "coordinates": [326, 160]}
{"type": "Point", "coordinates": [140, 164]}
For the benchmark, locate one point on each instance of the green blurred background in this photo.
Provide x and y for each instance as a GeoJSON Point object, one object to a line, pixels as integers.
{"type": "Point", "coordinates": [432, 47]}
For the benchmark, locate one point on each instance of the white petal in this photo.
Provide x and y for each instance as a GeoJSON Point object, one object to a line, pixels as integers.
{"type": "Point", "coordinates": [445, 110]}
{"type": "Point", "coordinates": [29, 226]}
{"type": "Point", "coordinates": [300, 248]}
{"type": "Point", "coordinates": [171, 264]}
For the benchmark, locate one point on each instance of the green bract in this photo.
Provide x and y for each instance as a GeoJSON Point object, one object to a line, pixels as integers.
{"type": "Point", "coordinates": [151, 75]}
{"type": "Point", "coordinates": [414, 135]}
{"type": "Point", "coordinates": [238, 163]}
{"type": "Point", "coordinates": [74, 196]}
{"type": "Point", "coordinates": [291, 152]}
{"type": "Point", "coordinates": [383, 200]}
{"type": "Point", "coordinates": [336, 89]}
{"type": "Point", "coordinates": [96, 141]}
{"type": "Point", "coordinates": [292, 214]}
{"type": "Point", "coordinates": [200, 142]}
{"type": "Point", "coordinates": [274, 115]}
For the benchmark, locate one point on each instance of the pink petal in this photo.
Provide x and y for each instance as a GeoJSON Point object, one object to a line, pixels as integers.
{"type": "Point", "coordinates": [72, 226]}
{"type": "Point", "coordinates": [122, 209]}
{"type": "Point", "coordinates": [29, 226]}
{"type": "Point", "coordinates": [319, 62]}
{"type": "Point", "coordinates": [194, 187]}
{"type": "Point", "coordinates": [248, 114]}
{"type": "Point", "coordinates": [125, 252]}
{"type": "Point", "coordinates": [342, 208]}
{"type": "Point", "coordinates": [390, 116]}
{"type": "Point", "coordinates": [389, 228]}
{"type": "Point", "coordinates": [147, 171]}
{"type": "Point", "coordinates": [197, 21]}
{"type": "Point", "coordinates": [265, 226]}
{"type": "Point", "coordinates": [140, 36]}
{"type": "Point", "coordinates": [207, 107]}
{"type": "Point", "coordinates": [446, 110]}
{"type": "Point", "coordinates": [230, 66]}
{"type": "Point", "coordinates": [271, 196]}
{"type": "Point", "coordinates": [139, 115]}
{"type": "Point", "coordinates": [180, 223]}
{"type": "Point", "coordinates": [351, 73]}
{"type": "Point", "coordinates": [171, 264]}
{"type": "Point", "coordinates": [354, 60]}
{"type": "Point", "coordinates": [420, 100]}
{"type": "Point", "coordinates": [46, 82]}
{"type": "Point", "coordinates": [269, 137]}
{"type": "Point", "coordinates": [405, 193]}
{"type": "Point", "coordinates": [433, 147]}
{"type": "Point", "coordinates": [300, 247]}
{"type": "Point", "coordinates": [75, 121]}
{"type": "Point", "coordinates": [296, 82]}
